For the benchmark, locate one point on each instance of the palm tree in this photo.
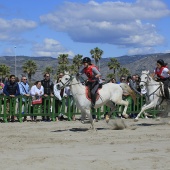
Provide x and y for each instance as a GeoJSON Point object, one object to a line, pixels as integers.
{"type": "Point", "coordinates": [114, 65]}
{"type": "Point", "coordinates": [62, 68]}
{"type": "Point", "coordinates": [4, 70]}
{"type": "Point", "coordinates": [48, 69]}
{"type": "Point", "coordinates": [110, 75]}
{"type": "Point", "coordinates": [123, 71]}
{"type": "Point", "coordinates": [77, 61]}
{"type": "Point", "coordinates": [29, 68]}
{"type": "Point", "coordinates": [96, 54]}
{"type": "Point", "coordinates": [63, 63]}
{"type": "Point", "coordinates": [63, 59]}
{"type": "Point", "coordinates": [73, 69]}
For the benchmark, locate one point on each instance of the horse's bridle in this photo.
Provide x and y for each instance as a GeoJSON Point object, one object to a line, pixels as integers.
{"type": "Point", "coordinates": [68, 82]}
{"type": "Point", "coordinates": [147, 79]}
{"type": "Point", "coordinates": [146, 83]}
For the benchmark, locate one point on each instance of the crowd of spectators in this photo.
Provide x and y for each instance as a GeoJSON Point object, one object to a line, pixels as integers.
{"type": "Point", "coordinates": [14, 87]}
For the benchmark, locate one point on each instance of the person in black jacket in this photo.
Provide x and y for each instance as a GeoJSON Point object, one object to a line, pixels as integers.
{"type": "Point", "coordinates": [11, 89]}
{"type": "Point", "coordinates": [48, 91]}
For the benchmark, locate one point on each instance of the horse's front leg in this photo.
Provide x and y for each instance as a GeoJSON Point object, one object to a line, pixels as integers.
{"type": "Point", "coordinates": [83, 116]}
{"type": "Point", "coordinates": [145, 107]}
{"type": "Point", "coordinates": [89, 115]}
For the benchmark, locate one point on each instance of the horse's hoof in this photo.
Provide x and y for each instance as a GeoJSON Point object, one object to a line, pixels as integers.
{"type": "Point", "coordinates": [135, 120]}
{"type": "Point", "coordinates": [107, 119]}
{"type": "Point", "coordinates": [125, 116]}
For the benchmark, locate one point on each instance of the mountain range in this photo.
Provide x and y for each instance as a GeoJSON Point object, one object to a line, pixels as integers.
{"type": "Point", "coordinates": [135, 64]}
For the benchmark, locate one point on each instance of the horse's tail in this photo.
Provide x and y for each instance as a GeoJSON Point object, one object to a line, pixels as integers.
{"type": "Point", "coordinates": [127, 90]}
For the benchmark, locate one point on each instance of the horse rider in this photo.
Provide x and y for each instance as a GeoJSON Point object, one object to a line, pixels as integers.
{"type": "Point", "coordinates": [163, 75]}
{"type": "Point", "coordinates": [94, 81]}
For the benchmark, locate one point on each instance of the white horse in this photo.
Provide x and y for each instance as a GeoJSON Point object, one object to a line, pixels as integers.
{"type": "Point", "coordinates": [109, 95]}
{"type": "Point", "coordinates": [155, 92]}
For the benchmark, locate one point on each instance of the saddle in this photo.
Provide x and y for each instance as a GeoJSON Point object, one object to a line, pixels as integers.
{"type": "Point", "coordinates": [88, 94]}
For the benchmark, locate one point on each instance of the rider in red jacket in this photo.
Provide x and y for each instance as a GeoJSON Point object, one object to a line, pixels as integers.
{"type": "Point", "coordinates": [94, 80]}
{"type": "Point", "coordinates": [163, 75]}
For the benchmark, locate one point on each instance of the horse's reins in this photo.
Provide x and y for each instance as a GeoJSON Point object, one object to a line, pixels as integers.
{"type": "Point", "coordinates": [151, 85]}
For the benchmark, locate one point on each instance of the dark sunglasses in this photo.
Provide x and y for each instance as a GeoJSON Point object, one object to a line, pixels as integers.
{"type": "Point", "coordinates": [24, 79]}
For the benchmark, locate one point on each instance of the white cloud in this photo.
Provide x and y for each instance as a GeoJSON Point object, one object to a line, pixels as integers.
{"type": "Point", "coordinates": [119, 23]}
{"type": "Point", "coordinates": [144, 50]}
{"type": "Point", "coordinates": [10, 29]}
{"type": "Point", "coordinates": [50, 48]}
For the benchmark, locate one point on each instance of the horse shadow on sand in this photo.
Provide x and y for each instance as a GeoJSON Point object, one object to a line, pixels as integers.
{"type": "Point", "coordinates": [149, 124]}
{"type": "Point", "coordinates": [79, 129]}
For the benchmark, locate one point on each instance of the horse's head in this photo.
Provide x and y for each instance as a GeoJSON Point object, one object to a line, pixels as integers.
{"type": "Point", "coordinates": [65, 81]}
{"type": "Point", "coordinates": [144, 79]}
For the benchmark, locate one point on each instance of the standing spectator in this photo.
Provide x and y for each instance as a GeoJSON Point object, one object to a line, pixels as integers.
{"type": "Point", "coordinates": [11, 89]}
{"type": "Point", "coordinates": [112, 80]}
{"type": "Point", "coordinates": [17, 101]}
{"type": "Point", "coordinates": [59, 94]}
{"type": "Point", "coordinates": [48, 91]}
{"type": "Point", "coordinates": [36, 92]}
{"type": "Point", "coordinates": [138, 83]}
{"type": "Point", "coordinates": [17, 79]}
{"type": "Point", "coordinates": [129, 78]}
{"type": "Point", "coordinates": [24, 91]}
{"type": "Point", "coordinates": [133, 84]}
{"type": "Point", "coordinates": [1, 93]}
{"type": "Point", "coordinates": [1, 86]}
{"type": "Point", "coordinates": [122, 79]}
{"type": "Point", "coordinates": [6, 79]}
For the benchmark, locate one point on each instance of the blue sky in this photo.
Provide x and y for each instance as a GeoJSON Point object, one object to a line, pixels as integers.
{"type": "Point", "coordinates": [53, 27]}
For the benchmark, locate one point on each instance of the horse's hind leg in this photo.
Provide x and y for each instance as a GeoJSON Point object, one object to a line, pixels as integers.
{"type": "Point", "coordinates": [111, 105]}
{"type": "Point", "coordinates": [125, 103]}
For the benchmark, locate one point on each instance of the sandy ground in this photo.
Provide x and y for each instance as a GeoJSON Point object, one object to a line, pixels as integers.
{"type": "Point", "coordinates": [64, 145]}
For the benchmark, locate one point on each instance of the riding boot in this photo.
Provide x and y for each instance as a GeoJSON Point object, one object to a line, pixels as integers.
{"type": "Point", "coordinates": [93, 100]}
{"type": "Point", "coordinates": [167, 94]}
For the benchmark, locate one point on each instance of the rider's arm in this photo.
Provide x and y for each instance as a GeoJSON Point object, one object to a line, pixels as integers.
{"type": "Point", "coordinates": [96, 73]}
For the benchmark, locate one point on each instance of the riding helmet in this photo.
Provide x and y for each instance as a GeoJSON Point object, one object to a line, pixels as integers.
{"type": "Point", "coordinates": [161, 62]}
{"type": "Point", "coordinates": [86, 60]}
